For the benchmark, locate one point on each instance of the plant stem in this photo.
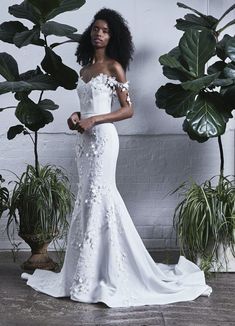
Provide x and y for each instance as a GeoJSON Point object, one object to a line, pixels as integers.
{"type": "Point", "coordinates": [36, 153]}
{"type": "Point", "coordinates": [221, 156]}
{"type": "Point", "coordinates": [36, 144]}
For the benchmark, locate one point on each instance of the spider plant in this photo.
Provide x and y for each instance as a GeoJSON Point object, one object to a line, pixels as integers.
{"type": "Point", "coordinates": [205, 220]}
{"type": "Point", "coordinates": [4, 196]}
{"type": "Point", "coordinates": [42, 199]}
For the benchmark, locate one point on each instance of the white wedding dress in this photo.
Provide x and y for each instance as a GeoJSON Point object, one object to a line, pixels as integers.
{"type": "Point", "coordinates": [106, 260]}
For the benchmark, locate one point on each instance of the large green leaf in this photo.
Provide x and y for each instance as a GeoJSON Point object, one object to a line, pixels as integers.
{"type": "Point", "coordinates": [192, 134]}
{"type": "Point", "coordinates": [171, 62]}
{"type": "Point", "coordinates": [218, 66]}
{"type": "Point", "coordinates": [31, 115]}
{"type": "Point", "coordinates": [45, 6]}
{"type": "Point", "coordinates": [184, 25]}
{"type": "Point", "coordinates": [65, 76]}
{"type": "Point", "coordinates": [25, 77]}
{"type": "Point", "coordinates": [27, 11]}
{"type": "Point", "coordinates": [229, 96]}
{"type": "Point", "coordinates": [15, 86]}
{"type": "Point", "coordinates": [207, 118]}
{"type": "Point", "coordinates": [8, 67]}
{"type": "Point", "coordinates": [196, 49]}
{"type": "Point", "coordinates": [197, 84]}
{"type": "Point", "coordinates": [221, 47]}
{"type": "Point", "coordinates": [28, 37]}
{"type": "Point", "coordinates": [43, 82]}
{"type": "Point", "coordinates": [9, 29]}
{"type": "Point", "coordinates": [182, 5]}
{"type": "Point", "coordinates": [31, 73]}
{"type": "Point", "coordinates": [174, 74]}
{"type": "Point", "coordinates": [54, 28]}
{"type": "Point", "coordinates": [14, 130]}
{"type": "Point", "coordinates": [230, 48]}
{"type": "Point", "coordinates": [48, 105]}
{"type": "Point", "coordinates": [74, 37]}
{"type": "Point", "coordinates": [229, 70]}
{"type": "Point", "coordinates": [194, 22]}
{"type": "Point", "coordinates": [65, 5]}
{"type": "Point", "coordinates": [222, 82]}
{"type": "Point", "coordinates": [40, 82]}
{"type": "Point", "coordinates": [174, 99]}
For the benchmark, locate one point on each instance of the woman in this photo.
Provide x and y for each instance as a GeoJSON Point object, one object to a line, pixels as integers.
{"type": "Point", "coordinates": [106, 260]}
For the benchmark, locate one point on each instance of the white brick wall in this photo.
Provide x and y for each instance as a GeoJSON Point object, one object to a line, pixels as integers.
{"type": "Point", "coordinates": [149, 167]}
{"type": "Point", "coordinates": [151, 164]}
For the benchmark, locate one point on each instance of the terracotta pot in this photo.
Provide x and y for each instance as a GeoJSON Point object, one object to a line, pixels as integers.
{"type": "Point", "coordinates": [39, 257]}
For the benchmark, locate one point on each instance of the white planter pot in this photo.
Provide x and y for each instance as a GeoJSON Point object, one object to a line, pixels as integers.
{"type": "Point", "coordinates": [225, 262]}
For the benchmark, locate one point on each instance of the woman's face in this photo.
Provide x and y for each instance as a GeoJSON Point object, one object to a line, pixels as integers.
{"type": "Point", "coordinates": [100, 34]}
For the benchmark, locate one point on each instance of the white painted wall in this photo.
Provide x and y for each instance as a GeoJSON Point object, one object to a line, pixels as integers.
{"type": "Point", "coordinates": [155, 155]}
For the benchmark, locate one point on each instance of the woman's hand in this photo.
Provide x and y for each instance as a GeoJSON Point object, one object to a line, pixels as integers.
{"type": "Point", "coordinates": [73, 120]}
{"type": "Point", "coordinates": [85, 124]}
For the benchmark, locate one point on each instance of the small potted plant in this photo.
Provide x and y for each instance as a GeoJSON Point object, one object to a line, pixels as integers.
{"type": "Point", "coordinates": [205, 97]}
{"type": "Point", "coordinates": [39, 204]}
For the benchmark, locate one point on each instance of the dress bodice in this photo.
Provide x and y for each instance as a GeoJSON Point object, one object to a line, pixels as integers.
{"type": "Point", "coordinates": [96, 95]}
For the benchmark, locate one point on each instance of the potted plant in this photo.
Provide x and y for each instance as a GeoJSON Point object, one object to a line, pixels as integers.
{"type": "Point", "coordinates": [4, 196]}
{"type": "Point", "coordinates": [205, 97]}
{"type": "Point", "coordinates": [41, 197]}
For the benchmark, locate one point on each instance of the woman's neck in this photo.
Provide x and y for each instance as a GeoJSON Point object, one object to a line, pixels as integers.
{"type": "Point", "coordinates": [99, 56]}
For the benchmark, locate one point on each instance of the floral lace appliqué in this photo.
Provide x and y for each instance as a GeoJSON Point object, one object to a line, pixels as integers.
{"type": "Point", "coordinates": [101, 81]}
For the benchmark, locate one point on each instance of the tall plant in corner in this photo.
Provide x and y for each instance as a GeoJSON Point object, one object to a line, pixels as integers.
{"type": "Point", "coordinates": [41, 196]}
{"type": "Point", "coordinates": [203, 63]}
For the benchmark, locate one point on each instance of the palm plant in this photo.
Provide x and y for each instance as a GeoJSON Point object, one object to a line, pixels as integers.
{"type": "Point", "coordinates": [205, 97]}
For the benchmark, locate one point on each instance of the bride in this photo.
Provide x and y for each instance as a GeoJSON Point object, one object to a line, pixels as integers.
{"type": "Point", "coordinates": [106, 260]}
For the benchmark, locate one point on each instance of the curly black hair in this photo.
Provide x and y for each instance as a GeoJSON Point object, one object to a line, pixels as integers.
{"type": "Point", "coordinates": [120, 46]}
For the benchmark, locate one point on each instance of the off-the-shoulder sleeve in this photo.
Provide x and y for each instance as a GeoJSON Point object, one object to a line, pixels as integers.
{"type": "Point", "coordinates": [124, 88]}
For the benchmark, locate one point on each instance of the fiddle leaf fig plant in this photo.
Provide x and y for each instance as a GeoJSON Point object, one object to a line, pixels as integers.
{"type": "Point", "coordinates": [42, 196]}
{"type": "Point", "coordinates": [203, 68]}
{"type": "Point", "coordinates": [203, 96]}
{"type": "Point", "coordinates": [50, 73]}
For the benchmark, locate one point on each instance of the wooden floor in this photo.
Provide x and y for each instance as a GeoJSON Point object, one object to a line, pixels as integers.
{"type": "Point", "coordinates": [22, 306]}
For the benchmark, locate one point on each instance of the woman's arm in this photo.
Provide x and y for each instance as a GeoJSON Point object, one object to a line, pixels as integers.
{"type": "Point", "coordinates": [124, 112]}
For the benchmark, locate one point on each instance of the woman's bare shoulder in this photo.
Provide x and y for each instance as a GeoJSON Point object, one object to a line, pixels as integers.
{"type": "Point", "coordinates": [117, 71]}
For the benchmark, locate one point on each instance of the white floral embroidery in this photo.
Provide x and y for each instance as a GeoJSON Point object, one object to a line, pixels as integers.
{"type": "Point", "coordinates": [104, 82]}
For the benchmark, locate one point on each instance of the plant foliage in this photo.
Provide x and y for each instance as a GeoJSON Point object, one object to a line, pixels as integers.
{"type": "Point", "coordinates": [4, 196]}
{"type": "Point", "coordinates": [205, 219]}
{"type": "Point", "coordinates": [41, 201]}
{"type": "Point", "coordinates": [50, 73]}
{"type": "Point", "coordinates": [41, 197]}
{"type": "Point", "coordinates": [205, 97]}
